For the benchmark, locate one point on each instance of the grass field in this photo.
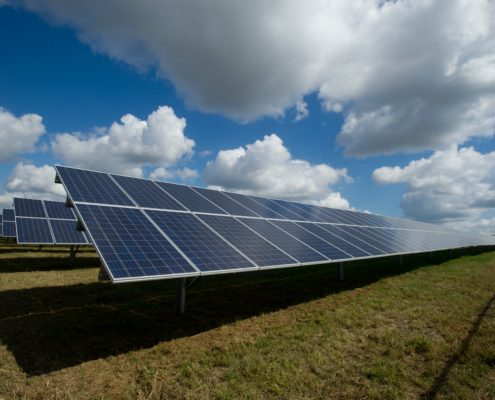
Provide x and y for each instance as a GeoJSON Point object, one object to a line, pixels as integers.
{"type": "Point", "coordinates": [424, 329]}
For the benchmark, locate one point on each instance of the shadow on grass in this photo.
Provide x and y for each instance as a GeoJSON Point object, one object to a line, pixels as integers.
{"type": "Point", "coordinates": [442, 379]}
{"type": "Point", "coordinates": [51, 263]}
{"type": "Point", "coordinates": [51, 328]}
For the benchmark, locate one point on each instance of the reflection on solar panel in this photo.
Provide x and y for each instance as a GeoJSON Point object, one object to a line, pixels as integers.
{"type": "Point", "coordinates": [190, 199]}
{"type": "Point", "coordinates": [292, 246]}
{"type": "Point", "coordinates": [34, 227]}
{"type": "Point", "coordinates": [148, 230]}
{"type": "Point", "coordinates": [207, 250]}
{"type": "Point", "coordinates": [256, 248]}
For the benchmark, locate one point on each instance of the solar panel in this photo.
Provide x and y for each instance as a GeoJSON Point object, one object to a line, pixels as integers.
{"type": "Point", "coordinates": [92, 187]}
{"type": "Point", "coordinates": [313, 241]}
{"type": "Point", "coordinates": [341, 232]}
{"type": "Point", "coordinates": [8, 214]}
{"type": "Point", "coordinates": [348, 247]}
{"type": "Point", "coordinates": [130, 244]}
{"type": "Point", "coordinates": [257, 249]}
{"type": "Point", "coordinates": [59, 228]}
{"type": "Point", "coordinates": [146, 193]}
{"type": "Point", "coordinates": [190, 199]}
{"type": "Point", "coordinates": [33, 231]}
{"type": "Point", "coordinates": [224, 202]}
{"type": "Point", "coordinates": [9, 229]}
{"type": "Point", "coordinates": [255, 206]}
{"type": "Point", "coordinates": [57, 209]}
{"type": "Point", "coordinates": [278, 208]}
{"type": "Point", "coordinates": [292, 246]}
{"type": "Point", "coordinates": [65, 232]}
{"type": "Point", "coordinates": [29, 208]}
{"type": "Point", "coordinates": [148, 230]}
{"type": "Point", "coordinates": [207, 250]}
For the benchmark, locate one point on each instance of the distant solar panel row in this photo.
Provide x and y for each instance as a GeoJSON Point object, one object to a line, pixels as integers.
{"type": "Point", "coordinates": [8, 223]}
{"type": "Point", "coordinates": [46, 222]}
{"type": "Point", "coordinates": [144, 229]}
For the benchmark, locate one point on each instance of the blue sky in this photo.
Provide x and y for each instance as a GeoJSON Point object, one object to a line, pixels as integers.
{"type": "Point", "coordinates": [399, 122]}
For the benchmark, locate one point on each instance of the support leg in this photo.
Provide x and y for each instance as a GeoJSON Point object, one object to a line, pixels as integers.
{"type": "Point", "coordinates": [431, 256]}
{"type": "Point", "coordinates": [72, 255]}
{"type": "Point", "coordinates": [180, 300]}
{"type": "Point", "coordinates": [40, 247]}
{"type": "Point", "coordinates": [400, 259]}
{"type": "Point", "coordinates": [341, 271]}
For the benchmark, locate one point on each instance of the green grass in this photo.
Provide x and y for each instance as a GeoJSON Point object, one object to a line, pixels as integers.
{"type": "Point", "coordinates": [418, 330]}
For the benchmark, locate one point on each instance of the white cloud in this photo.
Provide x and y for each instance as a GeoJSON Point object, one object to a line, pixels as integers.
{"type": "Point", "coordinates": [333, 200]}
{"type": "Point", "coordinates": [452, 186]}
{"type": "Point", "coordinates": [408, 75]}
{"type": "Point", "coordinates": [18, 134]}
{"type": "Point", "coordinates": [129, 145]}
{"type": "Point", "coordinates": [301, 110]}
{"type": "Point", "coordinates": [29, 181]}
{"type": "Point", "coordinates": [182, 174]}
{"type": "Point", "coordinates": [267, 168]}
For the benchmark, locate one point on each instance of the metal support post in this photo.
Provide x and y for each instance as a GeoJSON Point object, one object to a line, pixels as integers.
{"type": "Point", "coordinates": [431, 255]}
{"type": "Point", "coordinates": [401, 259]}
{"type": "Point", "coordinates": [73, 252]}
{"type": "Point", "coordinates": [341, 271]}
{"type": "Point", "coordinates": [180, 300]}
{"type": "Point", "coordinates": [40, 247]}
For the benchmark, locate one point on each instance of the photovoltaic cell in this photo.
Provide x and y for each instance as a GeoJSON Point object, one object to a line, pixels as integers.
{"type": "Point", "coordinates": [33, 230]}
{"type": "Point", "coordinates": [254, 206]}
{"type": "Point", "coordinates": [278, 208]}
{"type": "Point", "coordinates": [29, 208]}
{"type": "Point", "coordinates": [337, 241]}
{"type": "Point", "coordinates": [225, 202]}
{"type": "Point", "coordinates": [204, 247]}
{"type": "Point", "coordinates": [341, 231]}
{"type": "Point", "coordinates": [359, 233]}
{"type": "Point", "coordinates": [284, 241]}
{"type": "Point", "coordinates": [147, 194]}
{"type": "Point", "coordinates": [92, 187]}
{"type": "Point", "coordinates": [65, 232]}
{"type": "Point", "coordinates": [130, 245]}
{"type": "Point", "coordinates": [8, 214]}
{"type": "Point", "coordinates": [190, 199]}
{"type": "Point", "coordinates": [249, 243]}
{"type": "Point", "coordinates": [9, 229]}
{"type": "Point", "coordinates": [57, 209]}
{"type": "Point", "coordinates": [315, 242]}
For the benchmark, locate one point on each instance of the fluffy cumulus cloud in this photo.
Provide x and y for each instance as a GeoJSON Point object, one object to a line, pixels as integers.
{"type": "Point", "coordinates": [29, 181]}
{"type": "Point", "coordinates": [18, 134]}
{"type": "Point", "coordinates": [267, 168]}
{"type": "Point", "coordinates": [407, 75]}
{"type": "Point", "coordinates": [128, 145]}
{"type": "Point", "coordinates": [452, 186]}
{"type": "Point", "coordinates": [183, 174]}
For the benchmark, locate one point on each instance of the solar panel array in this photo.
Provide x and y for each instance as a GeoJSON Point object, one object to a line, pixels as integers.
{"type": "Point", "coordinates": [46, 222]}
{"type": "Point", "coordinates": [144, 229]}
{"type": "Point", "coordinates": [8, 223]}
